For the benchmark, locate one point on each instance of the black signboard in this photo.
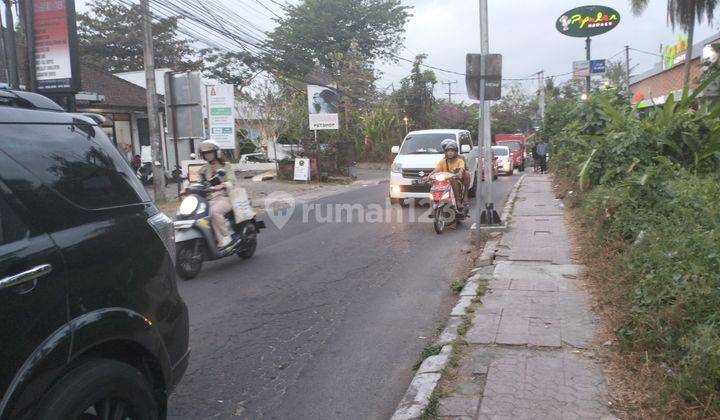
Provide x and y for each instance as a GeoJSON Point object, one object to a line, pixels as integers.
{"type": "Point", "coordinates": [492, 76]}
{"type": "Point", "coordinates": [587, 21]}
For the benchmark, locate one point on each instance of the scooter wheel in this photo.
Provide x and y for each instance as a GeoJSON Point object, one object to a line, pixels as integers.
{"type": "Point", "coordinates": [190, 255]}
{"type": "Point", "coordinates": [249, 251]}
{"type": "Point", "coordinates": [438, 221]}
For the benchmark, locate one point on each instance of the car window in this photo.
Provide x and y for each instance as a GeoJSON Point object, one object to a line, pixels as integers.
{"type": "Point", "coordinates": [77, 161]}
{"type": "Point", "coordinates": [500, 151]}
{"type": "Point", "coordinates": [465, 140]}
{"type": "Point", "coordinates": [11, 227]}
{"type": "Point", "coordinates": [424, 143]}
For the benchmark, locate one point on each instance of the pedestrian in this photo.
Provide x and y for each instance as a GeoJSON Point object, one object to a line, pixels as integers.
{"type": "Point", "coordinates": [542, 151]}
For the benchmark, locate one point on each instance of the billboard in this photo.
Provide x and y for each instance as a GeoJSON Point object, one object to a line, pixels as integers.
{"type": "Point", "coordinates": [55, 46]}
{"type": "Point", "coordinates": [323, 105]}
{"type": "Point", "coordinates": [221, 114]}
{"type": "Point", "coordinates": [581, 68]}
{"type": "Point", "coordinates": [587, 21]}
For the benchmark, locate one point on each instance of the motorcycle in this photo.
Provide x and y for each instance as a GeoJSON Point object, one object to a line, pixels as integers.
{"type": "Point", "coordinates": [145, 174]}
{"type": "Point", "coordinates": [194, 238]}
{"type": "Point", "coordinates": [444, 208]}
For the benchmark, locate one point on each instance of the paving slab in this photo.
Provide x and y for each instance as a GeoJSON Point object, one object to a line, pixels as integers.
{"type": "Point", "coordinates": [522, 360]}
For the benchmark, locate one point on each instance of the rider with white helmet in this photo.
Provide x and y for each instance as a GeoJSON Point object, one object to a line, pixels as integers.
{"type": "Point", "coordinates": [219, 200]}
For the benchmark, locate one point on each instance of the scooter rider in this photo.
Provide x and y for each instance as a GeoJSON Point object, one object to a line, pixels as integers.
{"type": "Point", "coordinates": [454, 163]}
{"type": "Point", "coordinates": [218, 200]}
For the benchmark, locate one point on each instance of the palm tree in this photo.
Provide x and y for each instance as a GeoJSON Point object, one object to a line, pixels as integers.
{"type": "Point", "coordinates": [683, 13]}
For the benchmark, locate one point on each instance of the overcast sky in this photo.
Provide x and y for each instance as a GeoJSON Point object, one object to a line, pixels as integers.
{"type": "Point", "coordinates": [522, 31]}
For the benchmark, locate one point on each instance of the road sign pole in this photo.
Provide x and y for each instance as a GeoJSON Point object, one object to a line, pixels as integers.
{"type": "Point", "coordinates": [587, 57]}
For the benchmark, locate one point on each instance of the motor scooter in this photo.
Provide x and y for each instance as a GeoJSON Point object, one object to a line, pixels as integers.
{"type": "Point", "coordinates": [444, 207]}
{"type": "Point", "coordinates": [195, 240]}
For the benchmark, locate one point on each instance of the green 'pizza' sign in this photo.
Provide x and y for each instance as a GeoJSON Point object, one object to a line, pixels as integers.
{"type": "Point", "coordinates": [585, 21]}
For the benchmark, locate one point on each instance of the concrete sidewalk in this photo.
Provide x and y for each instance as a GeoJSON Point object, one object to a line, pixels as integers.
{"type": "Point", "coordinates": [528, 353]}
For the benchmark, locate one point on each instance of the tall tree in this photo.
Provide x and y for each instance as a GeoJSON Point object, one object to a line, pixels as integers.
{"type": "Point", "coordinates": [416, 94]}
{"type": "Point", "coordinates": [515, 112]}
{"type": "Point", "coordinates": [311, 31]}
{"type": "Point", "coordinates": [110, 37]}
{"type": "Point", "coordinates": [684, 13]}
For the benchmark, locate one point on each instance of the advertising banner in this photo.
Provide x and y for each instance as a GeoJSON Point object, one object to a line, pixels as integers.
{"type": "Point", "coordinates": [221, 115]}
{"type": "Point", "coordinates": [581, 68]}
{"type": "Point", "coordinates": [597, 67]}
{"type": "Point", "coordinates": [587, 21]}
{"type": "Point", "coordinates": [55, 45]}
{"type": "Point", "coordinates": [323, 105]}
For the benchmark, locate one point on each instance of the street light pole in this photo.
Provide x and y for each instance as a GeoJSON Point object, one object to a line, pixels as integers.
{"type": "Point", "coordinates": [152, 104]}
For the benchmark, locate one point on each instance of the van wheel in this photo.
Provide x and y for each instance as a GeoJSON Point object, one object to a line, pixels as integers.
{"type": "Point", "coordinates": [190, 255]}
{"type": "Point", "coordinates": [100, 389]}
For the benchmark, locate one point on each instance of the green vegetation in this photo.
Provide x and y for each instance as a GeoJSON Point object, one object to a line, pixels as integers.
{"type": "Point", "coordinates": [428, 351]}
{"type": "Point", "coordinates": [649, 194]}
{"type": "Point", "coordinates": [458, 285]}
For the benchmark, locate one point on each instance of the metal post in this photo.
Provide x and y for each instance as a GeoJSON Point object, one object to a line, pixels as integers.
{"type": "Point", "coordinates": [317, 157]}
{"type": "Point", "coordinates": [172, 107]}
{"type": "Point", "coordinates": [486, 208]}
{"type": "Point", "coordinates": [541, 92]}
{"type": "Point", "coordinates": [587, 57]}
{"type": "Point", "coordinates": [627, 69]}
{"type": "Point", "coordinates": [11, 47]}
{"type": "Point", "coordinates": [27, 16]}
{"type": "Point", "coordinates": [152, 104]}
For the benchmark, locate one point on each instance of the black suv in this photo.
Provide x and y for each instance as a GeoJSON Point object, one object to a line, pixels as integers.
{"type": "Point", "coordinates": [92, 322]}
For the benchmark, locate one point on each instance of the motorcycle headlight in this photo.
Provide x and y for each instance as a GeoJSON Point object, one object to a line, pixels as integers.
{"type": "Point", "coordinates": [396, 167]}
{"type": "Point", "coordinates": [441, 177]}
{"type": "Point", "coordinates": [188, 206]}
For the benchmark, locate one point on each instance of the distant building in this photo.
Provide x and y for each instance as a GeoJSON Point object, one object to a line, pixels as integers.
{"type": "Point", "coordinates": [652, 87]}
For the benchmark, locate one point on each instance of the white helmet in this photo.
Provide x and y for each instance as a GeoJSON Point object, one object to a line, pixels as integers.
{"type": "Point", "coordinates": [209, 146]}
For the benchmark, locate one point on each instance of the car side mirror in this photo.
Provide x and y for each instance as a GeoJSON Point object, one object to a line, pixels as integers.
{"type": "Point", "coordinates": [395, 150]}
{"type": "Point", "coordinates": [465, 148]}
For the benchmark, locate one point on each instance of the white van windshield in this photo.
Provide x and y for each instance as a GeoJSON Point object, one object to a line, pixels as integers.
{"type": "Point", "coordinates": [426, 143]}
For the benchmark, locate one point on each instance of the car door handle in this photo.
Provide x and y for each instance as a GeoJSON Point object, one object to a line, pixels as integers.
{"type": "Point", "coordinates": [26, 276]}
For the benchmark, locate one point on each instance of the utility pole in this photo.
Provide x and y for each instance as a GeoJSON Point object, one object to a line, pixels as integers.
{"type": "Point", "coordinates": [627, 69]}
{"type": "Point", "coordinates": [541, 92]}
{"type": "Point", "coordinates": [587, 57]}
{"type": "Point", "coordinates": [486, 207]}
{"type": "Point", "coordinates": [11, 47]}
{"type": "Point", "coordinates": [450, 92]}
{"type": "Point", "coordinates": [152, 104]}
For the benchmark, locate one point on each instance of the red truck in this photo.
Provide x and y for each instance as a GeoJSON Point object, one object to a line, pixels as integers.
{"type": "Point", "coordinates": [516, 143]}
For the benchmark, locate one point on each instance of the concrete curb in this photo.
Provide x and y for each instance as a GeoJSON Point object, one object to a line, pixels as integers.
{"type": "Point", "coordinates": [511, 197]}
{"type": "Point", "coordinates": [423, 384]}
{"type": "Point", "coordinates": [506, 210]}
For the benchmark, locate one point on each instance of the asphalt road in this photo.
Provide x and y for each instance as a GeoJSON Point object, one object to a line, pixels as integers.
{"type": "Point", "coordinates": [326, 320]}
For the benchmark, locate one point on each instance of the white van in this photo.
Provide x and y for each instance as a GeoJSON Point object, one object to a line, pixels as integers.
{"type": "Point", "coordinates": [419, 154]}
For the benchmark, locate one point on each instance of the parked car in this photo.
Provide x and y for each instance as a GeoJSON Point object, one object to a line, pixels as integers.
{"type": "Point", "coordinates": [93, 325]}
{"type": "Point", "coordinates": [495, 169]}
{"type": "Point", "coordinates": [504, 159]}
{"type": "Point", "coordinates": [254, 158]}
{"type": "Point", "coordinates": [419, 154]}
{"type": "Point", "coordinates": [516, 143]}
